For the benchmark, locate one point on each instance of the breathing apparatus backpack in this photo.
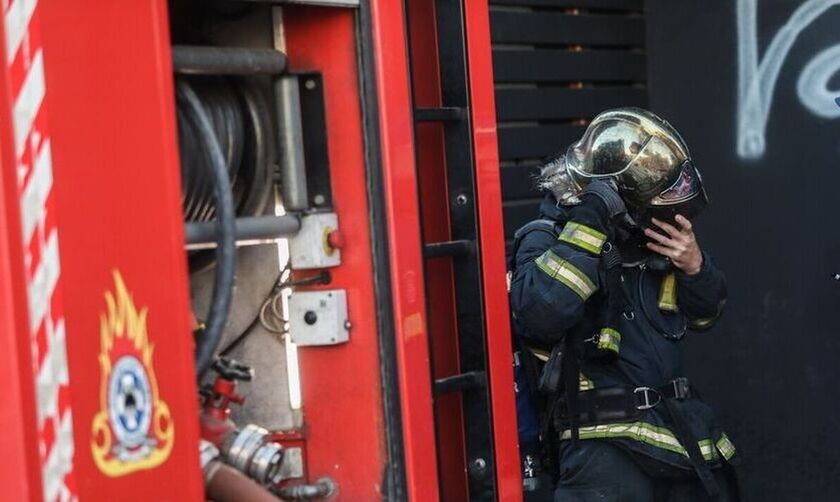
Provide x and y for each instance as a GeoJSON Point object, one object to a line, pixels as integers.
{"type": "Point", "coordinates": [532, 378]}
{"type": "Point", "coordinates": [548, 374]}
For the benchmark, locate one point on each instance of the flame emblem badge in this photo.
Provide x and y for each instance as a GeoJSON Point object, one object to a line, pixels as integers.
{"type": "Point", "coordinates": [133, 429]}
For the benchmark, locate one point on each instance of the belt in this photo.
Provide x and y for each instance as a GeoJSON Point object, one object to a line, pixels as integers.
{"type": "Point", "coordinates": [610, 404]}
{"type": "Point", "coordinates": [614, 404]}
{"type": "Point", "coordinates": [649, 397]}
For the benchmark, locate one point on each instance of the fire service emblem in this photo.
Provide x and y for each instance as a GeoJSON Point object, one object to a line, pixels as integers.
{"type": "Point", "coordinates": [133, 429]}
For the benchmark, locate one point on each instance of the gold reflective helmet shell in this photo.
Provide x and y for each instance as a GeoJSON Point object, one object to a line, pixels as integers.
{"type": "Point", "coordinates": [643, 153]}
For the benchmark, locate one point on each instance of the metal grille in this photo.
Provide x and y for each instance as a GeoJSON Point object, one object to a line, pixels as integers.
{"type": "Point", "coordinates": [557, 63]}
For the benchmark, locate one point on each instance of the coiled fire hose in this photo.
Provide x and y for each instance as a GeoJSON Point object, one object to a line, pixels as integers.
{"type": "Point", "coordinates": [208, 342]}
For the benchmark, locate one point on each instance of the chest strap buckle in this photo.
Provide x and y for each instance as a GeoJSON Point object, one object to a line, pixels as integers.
{"type": "Point", "coordinates": [682, 389]}
{"type": "Point", "coordinates": [647, 397]}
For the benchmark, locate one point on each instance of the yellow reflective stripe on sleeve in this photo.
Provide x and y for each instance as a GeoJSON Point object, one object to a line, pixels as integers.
{"type": "Point", "coordinates": [668, 293]}
{"type": "Point", "coordinates": [585, 383]}
{"type": "Point", "coordinates": [566, 273]}
{"type": "Point", "coordinates": [725, 447]}
{"type": "Point", "coordinates": [609, 338]}
{"type": "Point", "coordinates": [658, 437]}
{"type": "Point", "coordinates": [583, 237]}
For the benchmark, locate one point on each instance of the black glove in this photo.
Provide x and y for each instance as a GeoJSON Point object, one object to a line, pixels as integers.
{"type": "Point", "coordinates": [600, 207]}
{"type": "Point", "coordinates": [605, 192]}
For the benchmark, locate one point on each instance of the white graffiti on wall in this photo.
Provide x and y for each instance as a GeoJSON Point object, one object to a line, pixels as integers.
{"type": "Point", "coordinates": [756, 82]}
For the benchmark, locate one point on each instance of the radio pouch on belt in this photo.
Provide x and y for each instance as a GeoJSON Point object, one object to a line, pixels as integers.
{"type": "Point", "coordinates": [551, 376]}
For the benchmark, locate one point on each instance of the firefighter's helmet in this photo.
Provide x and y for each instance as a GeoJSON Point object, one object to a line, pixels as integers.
{"type": "Point", "coordinates": [646, 157]}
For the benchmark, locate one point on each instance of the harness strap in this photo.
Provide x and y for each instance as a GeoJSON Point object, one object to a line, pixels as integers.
{"type": "Point", "coordinates": [614, 404]}
{"type": "Point", "coordinates": [571, 385]}
{"type": "Point", "coordinates": [689, 441]}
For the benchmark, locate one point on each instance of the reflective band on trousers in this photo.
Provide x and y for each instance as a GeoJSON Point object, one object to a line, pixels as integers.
{"type": "Point", "coordinates": [566, 273]}
{"type": "Point", "coordinates": [725, 446]}
{"type": "Point", "coordinates": [668, 293]}
{"type": "Point", "coordinates": [609, 339]}
{"type": "Point", "coordinates": [583, 237]}
{"type": "Point", "coordinates": [659, 437]}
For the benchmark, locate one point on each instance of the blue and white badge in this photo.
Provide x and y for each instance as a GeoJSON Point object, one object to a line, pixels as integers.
{"type": "Point", "coordinates": [129, 407]}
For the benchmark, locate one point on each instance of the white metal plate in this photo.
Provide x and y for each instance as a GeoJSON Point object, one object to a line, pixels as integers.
{"type": "Point", "coordinates": [309, 249]}
{"type": "Point", "coordinates": [319, 317]}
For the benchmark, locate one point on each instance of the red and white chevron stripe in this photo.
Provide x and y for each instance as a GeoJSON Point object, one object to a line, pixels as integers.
{"type": "Point", "coordinates": [25, 67]}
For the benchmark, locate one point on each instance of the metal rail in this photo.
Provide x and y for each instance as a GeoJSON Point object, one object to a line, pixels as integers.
{"type": "Point", "coordinates": [251, 228]}
{"type": "Point", "coordinates": [205, 60]}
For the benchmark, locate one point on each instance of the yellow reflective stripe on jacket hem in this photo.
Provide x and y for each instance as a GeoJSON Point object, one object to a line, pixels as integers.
{"type": "Point", "coordinates": [643, 432]}
{"type": "Point", "coordinates": [668, 293]}
{"type": "Point", "coordinates": [609, 338]}
{"type": "Point", "coordinates": [725, 447]}
{"type": "Point", "coordinates": [566, 273]}
{"type": "Point", "coordinates": [583, 237]}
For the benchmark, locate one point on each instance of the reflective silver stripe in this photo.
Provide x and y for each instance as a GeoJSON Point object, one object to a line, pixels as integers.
{"type": "Point", "coordinates": [659, 437]}
{"type": "Point", "coordinates": [584, 237]}
{"type": "Point", "coordinates": [566, 273]}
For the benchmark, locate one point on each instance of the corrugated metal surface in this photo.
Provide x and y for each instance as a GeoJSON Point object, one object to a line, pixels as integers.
{"type": "Point", "coordinates": [557, 63]}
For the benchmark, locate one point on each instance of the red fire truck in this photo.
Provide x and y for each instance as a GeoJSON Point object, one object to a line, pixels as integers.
{"type": "Point", "coordinates": [253, 248]}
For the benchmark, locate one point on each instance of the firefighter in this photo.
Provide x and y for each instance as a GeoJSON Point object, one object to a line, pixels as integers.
{"type": "Point", "coordinates": [603, 289]}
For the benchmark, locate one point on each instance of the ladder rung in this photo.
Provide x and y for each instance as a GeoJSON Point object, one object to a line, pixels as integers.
{"type": "Point", "coordinates": [445, 114]}
{"type": "Point", "coordinates": [448, 248]}
{"type": "Point", "coordinates": [461, 382]}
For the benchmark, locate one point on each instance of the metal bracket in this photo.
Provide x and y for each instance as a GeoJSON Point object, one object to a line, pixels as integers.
{"type": "Point", "coordinates": [314, 246]}
{"type": "Point", "coordinates": [319, 317]}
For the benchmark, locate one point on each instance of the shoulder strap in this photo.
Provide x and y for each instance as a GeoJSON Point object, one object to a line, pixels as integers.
{"type": "Point", "coordinates": [544, 224]}
{"type": "Point", "coordinates": [541, 225]}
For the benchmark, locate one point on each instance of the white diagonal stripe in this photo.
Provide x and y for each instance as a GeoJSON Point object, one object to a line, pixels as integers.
{"type": "Point", "coordinates": [36, 191]}
{"type": "Point", "coordinates": [53, 373]}
{"type": "Point", "coordinates": [29, 101]}
{"type": "Point", "coordinates": [42, 284]}
{"type": "Point", "coordinates": [17, 22]}
{"type": "Point", "coordinates": [60, 459]}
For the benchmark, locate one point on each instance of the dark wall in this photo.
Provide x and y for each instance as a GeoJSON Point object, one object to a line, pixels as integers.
{"type": "Point", "coordinates": [770, 368]}
{"type": "Point", "coordinates": [557, 64]}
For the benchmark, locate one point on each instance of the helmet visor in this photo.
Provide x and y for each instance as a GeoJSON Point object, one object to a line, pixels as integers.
{"type": "Point", "coordinates": [686, 197]}
{"type": "Point", "coordinates": [688, 185]}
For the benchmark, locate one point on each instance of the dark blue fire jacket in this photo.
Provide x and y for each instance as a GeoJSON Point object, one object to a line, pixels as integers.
{"type": "Point", "coordinates": [555, 286]}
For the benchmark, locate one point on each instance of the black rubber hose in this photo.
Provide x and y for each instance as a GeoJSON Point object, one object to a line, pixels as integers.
{"type": "Point", "coordinates": [208, 342]}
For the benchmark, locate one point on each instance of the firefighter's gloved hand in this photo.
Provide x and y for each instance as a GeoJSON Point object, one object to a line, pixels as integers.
{"type": "Point", "coordinates": [605, 192]}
